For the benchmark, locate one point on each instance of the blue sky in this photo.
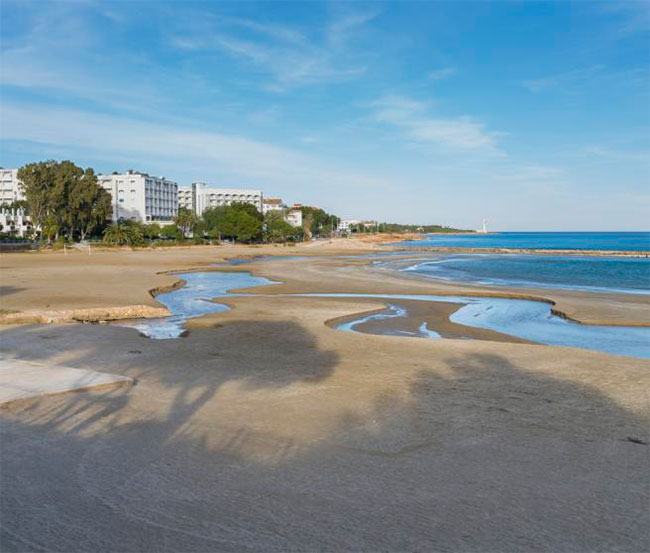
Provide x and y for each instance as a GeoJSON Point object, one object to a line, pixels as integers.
{"type": "Point", "coordinates": [532, 115]}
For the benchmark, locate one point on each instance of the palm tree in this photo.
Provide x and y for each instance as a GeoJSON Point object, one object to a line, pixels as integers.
{"type": "Point", "coordinates": [116, 235]}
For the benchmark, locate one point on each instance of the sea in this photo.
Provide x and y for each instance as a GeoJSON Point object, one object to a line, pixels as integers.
{"type": "Point", "coordinates": [612, 241]}
{"type": "Point", "coordinates": [595, 273]}
{"type": "Point", "coordinates": [625, 275]}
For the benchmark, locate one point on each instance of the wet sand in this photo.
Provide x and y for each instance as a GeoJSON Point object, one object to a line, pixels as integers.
{"type": "Point", "coordinates": [266, 430]}
{"type": "Point", "coordinates": [435, 315]}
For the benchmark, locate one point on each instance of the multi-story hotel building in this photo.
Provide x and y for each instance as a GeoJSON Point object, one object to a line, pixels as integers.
{"type": "Point", "coordinates": [10, 186]}
{"type": "Point", "coordinates": [185, 197]}
{"type": "Point", "coordinates": [199, 197]}
{"type": "Point", "coordinates": [141, 197]}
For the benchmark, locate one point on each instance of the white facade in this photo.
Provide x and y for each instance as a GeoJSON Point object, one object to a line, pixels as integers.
{"type": "Point", "coordinates": [141, 197]}
{"type": "Point", "coordinates": [14, 221]}
{"type": "Point", "coordinates": [294, 217]}
{"type": "Point", "coordinates": [185, 197]}
{"type": "Point", "coordinates": [344, 225]}
{"type": "Point", "coordinates": [272, 204]}
{"type": "Point", "coordinates": [203, 197]}
{"type": "Point", "coordinates": [10, 186]}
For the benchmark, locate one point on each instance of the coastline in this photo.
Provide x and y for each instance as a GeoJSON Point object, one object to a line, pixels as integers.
{"type": "Point", "coordinates": [320, 272]}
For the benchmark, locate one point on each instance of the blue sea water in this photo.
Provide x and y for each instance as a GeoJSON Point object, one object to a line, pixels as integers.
{"type": "Point", "coordinates": [612, 241]}
{"type": "Point", "coordinates": [629, 275]}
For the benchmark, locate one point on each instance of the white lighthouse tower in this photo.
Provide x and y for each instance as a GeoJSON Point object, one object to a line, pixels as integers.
{"type": "Point", "coordinates": [484, 229]}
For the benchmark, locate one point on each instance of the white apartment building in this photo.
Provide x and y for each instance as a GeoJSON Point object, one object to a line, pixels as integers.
{"type": "Point", "coordinates": [293, 214]}
{"type": "Point", "coordinates": [141, 197]}
{"type": "Point", "coordinates": [345, 225]}
{"type": "Point", "coordinates": [185, 197]}
{"type": "Point", "coordinates": [14, 221]}
{"type": "Point", "coordinates": [294, 217]}
{"type": "Point", "coordinates": [199, 197]}
{"type": "Point", "coordinates": [10, 186]}
{"type": "Point", "coordinates": [272, 204]}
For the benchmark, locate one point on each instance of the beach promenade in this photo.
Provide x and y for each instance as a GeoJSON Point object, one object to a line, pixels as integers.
{"type": "Point", "coordinates": [264, 429]}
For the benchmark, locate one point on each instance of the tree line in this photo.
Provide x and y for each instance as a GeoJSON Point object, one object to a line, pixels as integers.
{"type": "Point", "coordinates": [66, 202]}
{"type": "Point", "coordinates": [237, 222]}
{"type": "Point", "coordinates": [396, 228]}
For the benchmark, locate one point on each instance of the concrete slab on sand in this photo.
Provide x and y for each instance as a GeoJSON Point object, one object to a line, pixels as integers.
{"type": "Point", "coordinates": [24, 380]}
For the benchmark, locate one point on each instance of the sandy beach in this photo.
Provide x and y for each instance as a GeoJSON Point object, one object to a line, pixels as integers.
{"type": "Point", "coordinates": [123, 283]}
{"type": "Point", "coordinates": [265, 429]}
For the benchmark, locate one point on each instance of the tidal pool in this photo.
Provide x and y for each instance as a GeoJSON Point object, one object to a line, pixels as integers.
{"type": "Point", "coordinates": [193, 300]}
{"type": "Point", "coordinates": [531, 320]}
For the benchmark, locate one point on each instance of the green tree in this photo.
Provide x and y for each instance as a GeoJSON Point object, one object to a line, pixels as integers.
{"type": "Point", "coordinates": [245, 227]}
{"type": "Point", "coordinates": [247, 208]}
{"type": "Point", "coordinates": [124, 233]}
{"type": "Point", "coordinates": [151, 231]}
{"type": "Point", "coordinates": [64, 198]}
{"type": "Point", "coordinates": [200, 228]}
{"type": "Point", "coordinates": [238, 221]}
{"type": "Point", "coordinates": [89, 205]}
{"type": "Point", "coordinates": [116, 235]}
{"type": "Point", "coordinates": [186, 220]}
{"type": "Point", "coordinates": [171, 232]}
{"type": "Point", "coordinates": [50, 228]}
{"type": "Point", "coordinates": [214, 220]}
{"type": "Point", "coordinates": [276, 229]}
{"type": "Point", "coordinates": [316, 222]}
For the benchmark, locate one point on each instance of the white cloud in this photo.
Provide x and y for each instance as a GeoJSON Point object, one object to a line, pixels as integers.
{"type": "Point", "coordinates": [629, 17]}
{"type": "Point", "coordinates": [458, 133]}
{"type": "Point", "coordinates": [615, 155]}
{"type": "Point", "coordinates": [344, 28]}
{"type": "Point", "coordinates": [442, 74]}
{"type": "Point", "coordinates": [278, 32]}
{"type": "Point", "coordinates": [567, 78]}
{"type": "Point", "coordinates": [584, 79]}
{"type": "Point", "coordinates": [286, 54]}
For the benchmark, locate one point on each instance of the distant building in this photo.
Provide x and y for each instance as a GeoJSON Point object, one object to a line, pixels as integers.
{"type": "Point", "coordinates": [185, 197]}
{"type": "Point", "coordinates": [272, 204]}
{"type": "Point", "coordinates": [141, 197]}
{"type": "Point", "coordinates": [346, 224]}
{"type": "Point", "coordinates": [369, 224]}
{"type": "Point", "coordinates": [294, 217]}
{"type": "Point", "coordinates": [14, 221]}
{"type": "Point", "coordinates": [199, 197]}
{"type": "Point", "coordinates": [10, 186]}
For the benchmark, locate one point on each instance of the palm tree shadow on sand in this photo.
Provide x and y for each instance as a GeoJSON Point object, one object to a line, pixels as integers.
{"type": "Point", "coordinates": [210, 452]}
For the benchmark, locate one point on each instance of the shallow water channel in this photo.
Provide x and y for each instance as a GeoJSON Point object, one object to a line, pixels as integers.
{"type": "Point", "coordinates": [530, 320]}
